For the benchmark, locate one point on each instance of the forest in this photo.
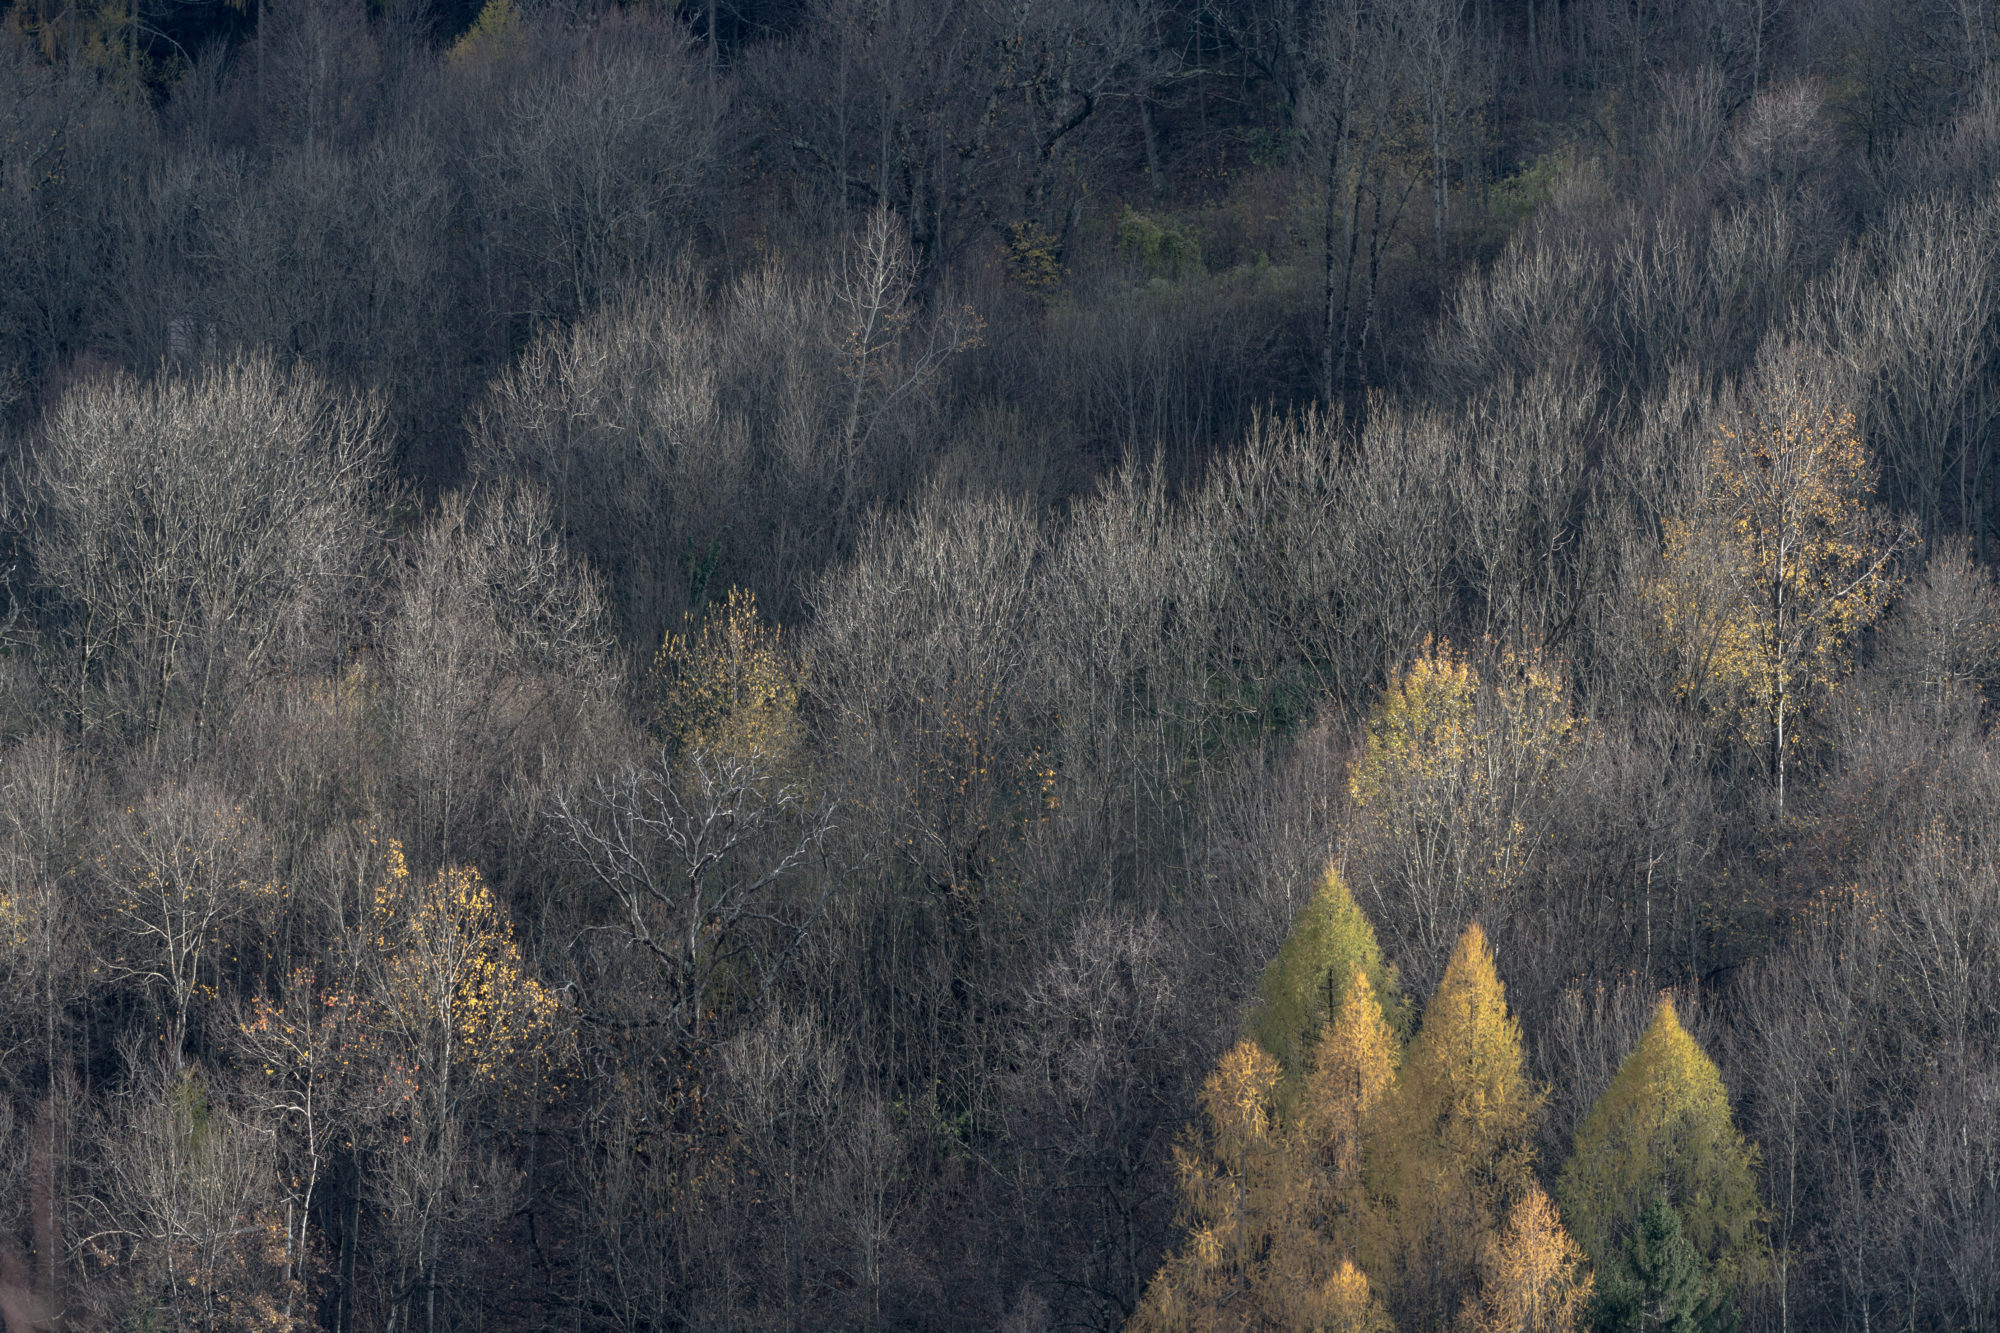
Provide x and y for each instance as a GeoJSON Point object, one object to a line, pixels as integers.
{"type": "Point", "coordinates": [999, 664]}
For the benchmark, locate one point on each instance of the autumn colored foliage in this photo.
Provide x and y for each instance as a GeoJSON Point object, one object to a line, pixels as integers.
{"type": "Point", "coordinates": [1780, 564]}
{"type": "Point", "coordinates": [1663, 1131]}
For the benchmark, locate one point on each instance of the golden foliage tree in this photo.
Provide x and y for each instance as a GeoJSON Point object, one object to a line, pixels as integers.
{"type": "Point", "coordinates": [454, 985]}
{"type": "Point", "coordinates": [1348, 1305]}
{"type": "Point", "coordinates": [1451, 1147]}
{"type": "Point", "coordinates": [1533, 1276]}
{"type": "Point", "coordinates": [1232, 1181]}
{"type": "Point", "coordinates": [467, 1018]}
{"type": "Point", "coordinates": [1451, 788]}
{"type": "Point", "coordinates": [1269, 1202]}
{"type": "Point", "coordinates": [1331, 948]}
{"type": "Point", "coordinates": [1353, 1069]}
{"type": "Point", "coordinates": [727, 687]}
{"type": "Point", "coordinates": [1663, 1129]}
{"type": "Point", "coordinates": [1780, 564]}
{"type": "Point", "coordinates": [1252, 1258]}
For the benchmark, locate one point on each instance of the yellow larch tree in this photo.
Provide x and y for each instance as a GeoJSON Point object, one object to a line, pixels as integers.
{"type": "Point", "coordinates": [1450, 1148]}
{"type": "Point", "coordinates": [1533, 1277]}
{"type": "Point", "coordinates": [1353, 1069]}
{"type": "Point", "coordinates": [1348, 1305]}
{"type": "Point", "coordinates": [1663, 1130]}
{"type": "Point", "coordinates": [1305, 987]}
{"type": "Point", "coordinates": [1271, 1189]}
{"type": "Point", "coordinates": [1251, 1258]}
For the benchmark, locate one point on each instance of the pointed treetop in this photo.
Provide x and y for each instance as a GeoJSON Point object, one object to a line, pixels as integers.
{"type": "Point", "coordinates": [1663, 1128]}
{"type": "Point", "coordinates": [1353, 1068]}
{"type": "Point", "coordinates": [1658, 1281]}
{"type": "Point", "coordinates": [1533, 1275]}
{"type": "Point", "coordinates": [1468, 1040]}
{"type": "Point", "coordinates": [1450, 1150]}
{"type": "Point", "coordinates": [1303, 989]}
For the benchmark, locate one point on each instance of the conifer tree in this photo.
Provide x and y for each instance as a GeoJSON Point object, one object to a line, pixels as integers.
{"type": "Point", "coordinates": [1533, 1277]}
{"type": "Point", "coordinates": [1655, 1284]}
{"type": "Point", "coordinates": [1256, 1253]}
{"type": "Point", "coordinates": [1450, 1149]}
{"type": "Point", "coordinates": [1235, 1187]}
{"type": "Point", "coordinates": [1663, 1130]}
{"type": "Point", "coordinates": [1305, 986]}
{"type": "Point", "coordinates": [1353, 1068]}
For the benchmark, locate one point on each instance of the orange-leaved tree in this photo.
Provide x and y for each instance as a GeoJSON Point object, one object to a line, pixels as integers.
{"type": "Point", "coordinates": [1450, 1149]}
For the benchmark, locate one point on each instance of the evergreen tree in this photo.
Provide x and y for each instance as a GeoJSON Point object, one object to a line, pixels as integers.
{"type": "Point", "coordinates": [1450, 1149]}
{"type": "Point", "coordinates": [1303, 989]}
{"type": "Point", "coordinates": [1663, 1130]}
{"type": "Point", "coordinates": [1656, 1284]}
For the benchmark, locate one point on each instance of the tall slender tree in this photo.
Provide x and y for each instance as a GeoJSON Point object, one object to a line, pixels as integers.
{"type": "Point", "coordinates": [1450, 1151]}
{"type": "Point", "coordinates": [1332, 947]}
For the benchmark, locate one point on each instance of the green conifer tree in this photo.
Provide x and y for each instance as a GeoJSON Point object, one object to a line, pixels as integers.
{"type": "Point", "coordinates": [1656, 1284]}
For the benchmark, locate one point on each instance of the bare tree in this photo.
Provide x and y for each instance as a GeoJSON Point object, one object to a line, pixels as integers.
{"type": "Point", "coordinates": [194, 530]}
{"type": "Point", "coordinates": [187, 870]}
{"type": "Point", "coordinates": [697, 854]}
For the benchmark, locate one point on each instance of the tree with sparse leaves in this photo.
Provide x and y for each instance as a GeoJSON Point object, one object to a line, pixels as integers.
{"type": "Point", "coordinates": [466, 1017]}
{"type": "Point", "coordinates": [1451, 792]}
{"type": "Point", "coordinates": [1779, 565]}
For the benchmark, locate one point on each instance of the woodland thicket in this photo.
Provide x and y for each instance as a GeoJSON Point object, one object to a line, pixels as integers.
{"type": "Point", "coordinates": [1068, 664]}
